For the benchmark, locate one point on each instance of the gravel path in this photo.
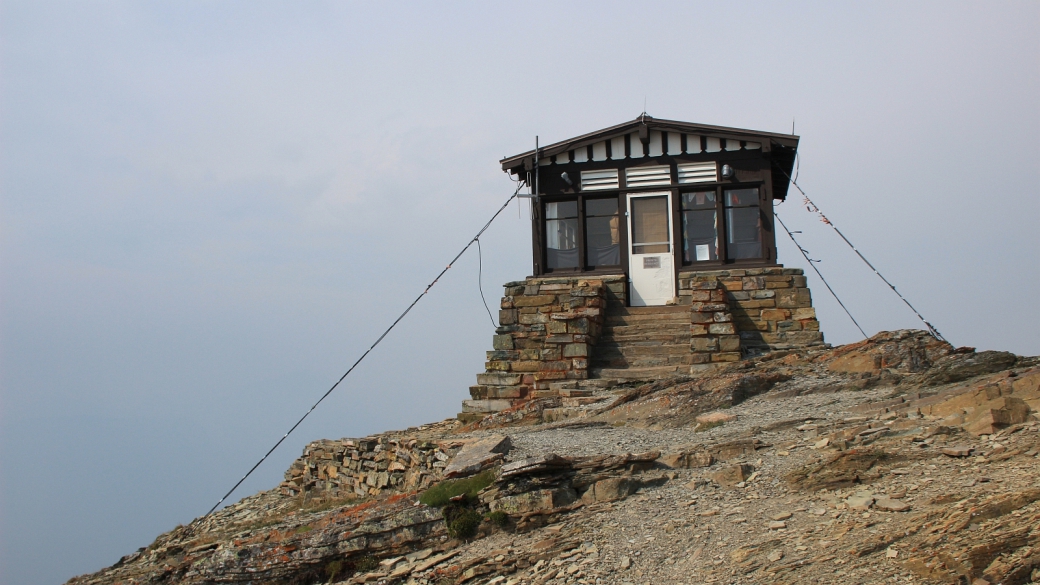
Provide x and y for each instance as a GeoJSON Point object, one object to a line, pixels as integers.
{"type": "Point", "coordinates": [759, 411]}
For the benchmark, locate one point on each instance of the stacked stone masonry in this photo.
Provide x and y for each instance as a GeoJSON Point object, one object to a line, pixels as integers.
{"type": "Point", "coordinates": [713, 335]}
{"type": "Point", "coordinates": [368, 466]}
{"type": "Point", "coordinates": [546, 329]}
{"type": "Point", "coordinates": [771, 308]}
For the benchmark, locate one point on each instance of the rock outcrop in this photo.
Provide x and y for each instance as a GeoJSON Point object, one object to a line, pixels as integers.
{"type": "Point", "coordinates": [897, 458]}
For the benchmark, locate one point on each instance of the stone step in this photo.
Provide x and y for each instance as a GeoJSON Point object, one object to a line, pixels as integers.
{"type": "Point", "coordinates": [645, 373]}
{"type": "Point", "coordinates": [645, 329]}
{"type": "Point", "coordinates": [619, 361]}
{"type": "Point", "coordinates": [641, 338]}
{"type": "Point", "coordinates": [665, 310]}
{"type": "Point", "coordinates": [643, 343]}
{"type": "Point", "coordinates": [610, 349]}
{"type": "Point", "coordinates": [486, 406]}
{"type": "Point", "coordinates": [615, 320]}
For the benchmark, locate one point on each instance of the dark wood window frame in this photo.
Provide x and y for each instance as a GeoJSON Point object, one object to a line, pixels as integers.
{"type": "Point", "coordinates": [554, 189]}
{"type": "Point", "coordinates": [583, 261]}
{"type": "Point", "coordinates": [723, 228]}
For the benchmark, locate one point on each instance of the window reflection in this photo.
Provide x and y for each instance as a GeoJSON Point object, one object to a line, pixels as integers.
{"type": "Point", "coordinates": [743, 224]}
{"type": "Point", "coordinates": [603, 241]}
{"type": "Point", "coordinates": [650, 225]}
{"type": "Point", "coordinates": [700, 227]}
{"type": "Point", "coordinates": [561, 234]}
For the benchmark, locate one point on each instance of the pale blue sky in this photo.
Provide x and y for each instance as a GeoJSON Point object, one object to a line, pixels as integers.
{"type": "Point", "coordinates": [208, 210]}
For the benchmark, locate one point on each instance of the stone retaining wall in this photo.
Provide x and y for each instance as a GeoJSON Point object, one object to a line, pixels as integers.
{"type": "Point", "coordinates": [771, 307]}
{"type": "Point", "coordinates": [713, 335]}
{"type": "Point", "coordinates": [546, 329]}
{"type": "Point", "coordinates": [368, 466]}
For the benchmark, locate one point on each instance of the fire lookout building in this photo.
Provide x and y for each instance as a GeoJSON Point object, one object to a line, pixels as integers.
{"type": "Point", "coordinates": [651, 198]}
{"type": "Point", "coordinates": [654, 254]}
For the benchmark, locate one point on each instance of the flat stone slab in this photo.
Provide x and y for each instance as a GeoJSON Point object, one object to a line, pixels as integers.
{"type": "Point", "coordinates": [891, 504]}
{"type": "Point", "coordinates": [478, 455]}
{"type": "Point", "coordinates": [535, 465]}
{"type": "Point", "coordinates": [716, 417]}
{"type": "Point", "coordinates": [958, 451]}
{"type": "Point", "coordinates": [486, 406]}
{"type": "Point", "coordinates": [860, 501]}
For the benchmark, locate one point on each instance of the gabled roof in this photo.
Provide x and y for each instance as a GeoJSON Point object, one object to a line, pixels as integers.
{"type": "Point", "coordinates": [780, 148]}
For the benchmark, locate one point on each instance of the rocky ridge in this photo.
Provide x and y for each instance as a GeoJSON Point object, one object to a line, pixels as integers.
{"type": "Point", "coordinates": [897, 459]}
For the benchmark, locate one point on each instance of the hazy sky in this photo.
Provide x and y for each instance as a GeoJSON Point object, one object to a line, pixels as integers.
{"type": "Point", "coordinates": [210, 209]}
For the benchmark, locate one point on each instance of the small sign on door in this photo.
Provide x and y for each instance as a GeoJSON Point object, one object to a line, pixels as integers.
{"type": "Point", "coordinates": [651, 262]}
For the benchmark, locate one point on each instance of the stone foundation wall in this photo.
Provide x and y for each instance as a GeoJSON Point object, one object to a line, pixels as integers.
{"type": "Point", "coordinates": [771, 307]}
{"type": "Point", "coordinates": [368, 466]}
{"type": "Point", "coordinates": [713, 335]}
{"type": "Point", "coordinates": [546, 328]}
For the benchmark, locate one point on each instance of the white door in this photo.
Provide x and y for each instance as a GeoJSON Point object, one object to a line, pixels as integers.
{"type": "Point", "coordinates": [651, 259]}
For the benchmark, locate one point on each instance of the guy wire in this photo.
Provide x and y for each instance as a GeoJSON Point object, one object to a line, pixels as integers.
{"type": "Point", "coordinates": [476, 238]}
{"type": "Point", "coordinates": [480, 278]}
{"type": "Point", "coordinates": [812, 263]}
{"type": "Point", "coordinates": [812, 208]}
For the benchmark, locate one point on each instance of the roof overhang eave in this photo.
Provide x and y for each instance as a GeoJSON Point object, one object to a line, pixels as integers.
{"type": "Point", "coordinates": [526, 159]}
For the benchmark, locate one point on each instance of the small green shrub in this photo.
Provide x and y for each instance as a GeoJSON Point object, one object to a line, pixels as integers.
{"type": "Point", "coordinates": [332, 569]}
{"type": "Point", "coordinates": [464, 524]}
{"type": "Point", "coordinates": [498, 518]}
{"type": "Point", "coordinates": [439, 495]}
{"type": "Point", "coordinates": [365, 564]}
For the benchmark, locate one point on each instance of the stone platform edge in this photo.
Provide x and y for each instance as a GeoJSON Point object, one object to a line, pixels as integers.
{"type": "Point", "coordinates": [548, 328]}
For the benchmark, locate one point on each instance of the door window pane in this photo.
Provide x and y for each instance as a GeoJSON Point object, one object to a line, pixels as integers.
{"type": "Point", "coordinates": [700, 227]}
{"type": "Point", "coordinates": [650, 225]}
{"type": "Point", "coordinates": [743, 224]}
{"type": "Point", "coordinates": [603, 242]}
{"type": "Point", "coordinates": [561, 234]}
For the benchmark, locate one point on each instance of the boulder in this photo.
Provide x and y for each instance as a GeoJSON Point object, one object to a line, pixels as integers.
{"type": "Point", "coordinates": [687, 460]}
{"type": "Point", "coordinates": [961, 366]}
{"type": "Point", "coordinates": [478, 455]}
{"type": "Point", "coordinates": [994, 415]}
{"type": "Point", "coordinates": [731, 475]}
{"type": "Point", "coordinates": [535, 501]}
{"type": "Point", "coordinates": [611, 489]}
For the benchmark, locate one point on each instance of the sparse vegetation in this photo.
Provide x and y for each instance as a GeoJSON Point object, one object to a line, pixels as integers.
{"type": "Point", "coordinates": [365, 564]}
{"type": "Point", "coordinates": [498, 518]}
{"type": "Point", "coordinates": [332, 569]}
{"type": "Point", "coordinates": [440, 494]}
{"type": "Point", "coordinates": [464, 524]}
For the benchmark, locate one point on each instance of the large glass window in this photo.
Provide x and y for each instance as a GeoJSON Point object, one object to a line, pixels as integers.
{"type": "Point", "coordinates": [650, 217]}
{"type": "Point", "coordinates": [561, 234]}
{"type": "Point", "coordinates": [700, 227]}
{"type": "Point", "coordinates": [743, 224]}
{"type": "Point", "coordinates": [602, 238]}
